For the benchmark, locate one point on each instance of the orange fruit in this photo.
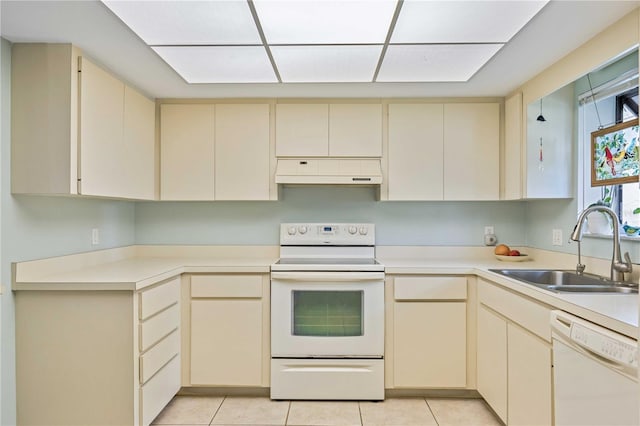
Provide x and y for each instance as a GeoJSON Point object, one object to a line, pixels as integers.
{"type": "Point", "coordinates": [502, 250]}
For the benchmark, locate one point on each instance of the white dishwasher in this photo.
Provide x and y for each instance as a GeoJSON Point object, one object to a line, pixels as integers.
{"type": "Point", "coordinates": [595, 374]}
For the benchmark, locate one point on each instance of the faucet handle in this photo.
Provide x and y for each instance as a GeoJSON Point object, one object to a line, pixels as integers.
{"type": "Point", "coordinates": [627, 262]}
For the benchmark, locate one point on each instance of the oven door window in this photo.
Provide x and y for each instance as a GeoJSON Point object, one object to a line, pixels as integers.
{"type": "Point", "coordinates": [327, 313]}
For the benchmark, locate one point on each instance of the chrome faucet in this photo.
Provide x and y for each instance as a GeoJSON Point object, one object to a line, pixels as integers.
{"type": "Point", "coordinates": [618, 267]}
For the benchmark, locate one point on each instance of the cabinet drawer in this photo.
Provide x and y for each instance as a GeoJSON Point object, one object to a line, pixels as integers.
{"type": "Point", "coordinates": [529, 314]}
{"type": "Point", "coordinates": [159, 355]}
{"type": "Point", "coordinates": [227, 286]}
{"type": "Point", "coordinates": [158, 391]}
{"type": "Point", "coordinates": [158, 298]}
{"type": "Point", "coordinates": [154, 329]}
{"type": "Point", "coordinates": [430, 288]}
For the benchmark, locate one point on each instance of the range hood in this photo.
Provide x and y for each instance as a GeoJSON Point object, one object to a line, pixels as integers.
{"type": "Point", "coordinates": [329, 171]}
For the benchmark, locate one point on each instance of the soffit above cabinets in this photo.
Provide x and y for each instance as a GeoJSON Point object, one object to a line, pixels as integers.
{"type": "Point", "coordinates": [318, 41]}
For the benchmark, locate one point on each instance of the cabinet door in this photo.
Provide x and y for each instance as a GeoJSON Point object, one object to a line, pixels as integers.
{"type": "Point", "coordinates": [415, 170]}
{"type": "Point", "coordinates": [139, 156]}
{"type": "Point", "coordinates": [101, 169]}
{"type": "Point", "coordinates": [472, 151]}
{"type": "Point", "coordinates": [226, 342]}
{"type": "Point", "coordinates": [492, 361]}
{"type": "Point", "coordinates": [529, 372]}
{"type": "Point", "coordinates": [242, 152]}
{"type": "Point", "coordinates": [512, 177]}
{"type": "Point", "coordinates": [302, 130]}
{"type": "Point", "coordinates": [430, 344]}
{"type": "Point", "coordinates": [186, 152]}
{"type": "Point", "coordinates": [355, 130]}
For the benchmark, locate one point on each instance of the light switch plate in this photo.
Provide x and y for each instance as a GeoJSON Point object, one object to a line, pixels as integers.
{"type": "Point", "coordinates": [556, 237]}
{"type": "Point", "coordinates": [488, 230]}
{"type": "Point", "coordinates": [95, 236]}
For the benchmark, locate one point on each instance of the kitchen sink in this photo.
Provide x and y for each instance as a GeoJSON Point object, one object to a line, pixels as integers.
{"type": "Point", "coordinates": [561, 281]}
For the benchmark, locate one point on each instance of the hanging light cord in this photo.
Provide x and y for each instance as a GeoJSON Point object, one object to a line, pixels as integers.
{"type": "Point", "coordinates": [595, 104]}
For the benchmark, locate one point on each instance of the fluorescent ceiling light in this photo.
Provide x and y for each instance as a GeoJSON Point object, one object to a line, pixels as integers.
{"type": "Point", "coordinates": [219, 64]}
{"type": "Point", "coordinates": [188, 22]}
{"type": "Point", "coordinates": [305, 64]}
{"type": "Point", "coordinates": [434, 63]}
{"type": "Point", "coordinates": [325, 22]}
{"type": "Point", "coordinates": [462, 21]}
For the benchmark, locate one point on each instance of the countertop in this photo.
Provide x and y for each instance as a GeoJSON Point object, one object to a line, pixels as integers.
{"type": "Point", "coordinates": [135, 268]}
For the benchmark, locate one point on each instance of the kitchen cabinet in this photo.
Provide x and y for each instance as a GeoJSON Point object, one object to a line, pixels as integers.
{"type": "Point", "coordinates": [97, 357]}
{"type": "Point", "coordinates": [329, 130]}
{"type": "Point", "coordinates": [242, 166]}
{"type": "Point", "coordinates": [472, 151]}
{"type": "Point", "coordinates": [87, 132]}
{"type": "Point", "coordinates": [514, 356]}
{"type": "Point", "coordinates": [229, 336]}
{"type": "Point", "coordinates": [416, 150]}
{"type": "Point", "coordinates": [512, 176]}
{"type": "Point", "coordinates": [429, 332]}
{"type": "Point", "coordinates": [187, 152]}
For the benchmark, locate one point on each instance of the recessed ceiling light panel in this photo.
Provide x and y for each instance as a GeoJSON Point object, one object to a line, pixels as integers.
{"type": "Point", "coordinates": [434, 63]}
{"type": "Point", "coordinates": [325, 22]}
{"type": "Point", "coordinates": [462, 21]}
{"type": "Point", "coordinates": [219, 64]}
{"type": "Point", "coordinates": [188, 22]}
{"type": "Point", "coordinates": [305, 64]}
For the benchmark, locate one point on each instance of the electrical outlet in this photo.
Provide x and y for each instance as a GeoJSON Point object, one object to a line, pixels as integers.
{"type": "Point", "coordinates": [556, 238]}
{"type": "Point", "coordinates": [488, 230]}
{"type": "Point", "coordinates": [95, 236]}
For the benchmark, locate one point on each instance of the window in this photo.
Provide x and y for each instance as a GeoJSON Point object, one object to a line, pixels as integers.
{"type": "Point", "coordinates": [615, 102]}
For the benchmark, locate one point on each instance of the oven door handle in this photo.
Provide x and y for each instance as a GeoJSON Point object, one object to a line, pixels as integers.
{"type": "Point", "coordinates": [328, 276]}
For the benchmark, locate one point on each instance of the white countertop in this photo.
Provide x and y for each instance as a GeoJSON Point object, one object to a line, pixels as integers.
{"type": "Point", "coordinates": [134, 268]}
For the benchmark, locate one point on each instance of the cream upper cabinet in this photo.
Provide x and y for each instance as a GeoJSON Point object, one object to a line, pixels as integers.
{"type": "Point", "coordinates": [415, 154]}
{"type": "Point", "coordinates": [242, 157]}
{"type": "Point", "coordinates": [139, 156]}
{"type": "Point", "coordinates": [512, 176]}
{"type": "Point", "coordinates": [302, 130]}
{"type": "Point", "coordinates": [187, 152]}
{"type": "Point", "coordinates": [328, 130]}
{"type": "Point", "coordinates": [87, 132]}
{"type": "Point", "coordinates": [472, 151]}
{"type": "Point", "coordinates": [355, 130]}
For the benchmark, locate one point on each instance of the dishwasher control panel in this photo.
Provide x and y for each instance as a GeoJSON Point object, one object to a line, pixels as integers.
{"type": "Point", "coordinates": [614, 349]}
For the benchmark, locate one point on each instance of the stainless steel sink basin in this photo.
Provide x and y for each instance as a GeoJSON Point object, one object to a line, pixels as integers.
{"type": "Point", "coordinates": [561, 281]}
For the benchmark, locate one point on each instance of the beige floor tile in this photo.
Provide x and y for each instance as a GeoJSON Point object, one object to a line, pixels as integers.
{"type": "Point", "coordinates": [397, 412]}
{"type": "Point", "coordinates": [189, 410]}
{"type": "Point", "coordinates": [251, 411]}
{"type": "Point", "coordinates": [462, 412]}
{"type": "Point", "coordinates": [324, 413]}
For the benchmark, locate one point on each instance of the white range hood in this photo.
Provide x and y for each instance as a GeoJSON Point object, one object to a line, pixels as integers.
{"type": "Point", "coordinates": [329, 171]}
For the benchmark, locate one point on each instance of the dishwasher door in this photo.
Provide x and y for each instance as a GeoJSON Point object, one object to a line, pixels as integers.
{"type": "Point", "coordinates": [595, 374]}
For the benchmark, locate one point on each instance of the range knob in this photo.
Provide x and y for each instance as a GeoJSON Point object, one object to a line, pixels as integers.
{"type": "Point", "coordinates": [291, 230]}
{"type": "Point", "coordinates": [353, 230]}
{"type": "Point", "coordinates": [364, 230]}
{"type": "Point", "coordinates": [302, 229]}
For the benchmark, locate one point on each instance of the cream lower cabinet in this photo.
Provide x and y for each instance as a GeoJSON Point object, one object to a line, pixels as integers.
{"type": "Point", "coordinates": [514, 356]}
{"type": "Point", "coordinates": [429, 347]}
{"type": "Point", "coordinates": [97, 357]}
{"type": "Point", "coordinates": [229, 330]}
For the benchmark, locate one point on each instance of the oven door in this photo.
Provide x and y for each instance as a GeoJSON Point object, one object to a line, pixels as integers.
{"type": "Point", "coordinates": [327, 314]}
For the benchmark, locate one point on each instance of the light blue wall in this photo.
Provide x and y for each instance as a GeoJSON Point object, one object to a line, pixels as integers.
{"type": "Point", "coordinates": [397, 223]}
{"type": "Point", "coordinates": [544, 215]}
{"type": "Point", "coordinates": [37, 227]}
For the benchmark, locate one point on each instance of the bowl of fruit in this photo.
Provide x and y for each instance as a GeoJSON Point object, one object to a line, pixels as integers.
{"type": "Point", "coordinates": [506, 254]}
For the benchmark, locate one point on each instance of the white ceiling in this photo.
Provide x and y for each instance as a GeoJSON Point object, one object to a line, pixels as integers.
{"type": "Point", "coordinates": [558, 28]}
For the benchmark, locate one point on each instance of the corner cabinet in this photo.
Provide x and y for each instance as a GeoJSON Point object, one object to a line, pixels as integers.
{"type": "Point", "coordinates": [215, 152]}
{"type": "Point", "coordinates": [229, 337]}
{"type": "Point", "coordinates": [443, 151]}
{"type": "Point", "coordinates": [426, 345]}
{"type": "Point", "coordinates": [88, 132]}
{"type": "Point", "coordinates": [97, 357]}
{"type": "Point", "coordinates": [514, 356]}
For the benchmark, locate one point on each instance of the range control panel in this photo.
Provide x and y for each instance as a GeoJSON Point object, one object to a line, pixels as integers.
{"type": "Point", "coordinates": [337, 234]}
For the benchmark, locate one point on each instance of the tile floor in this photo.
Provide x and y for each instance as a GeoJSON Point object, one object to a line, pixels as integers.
{"type": "Point", "coordinates": [205, 410]}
